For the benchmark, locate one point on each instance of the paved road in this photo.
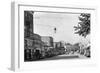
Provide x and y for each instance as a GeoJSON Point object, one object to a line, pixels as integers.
{"type": "Point", "coordinates": [65, 56]}
{"type": "Point", "coordinates": [60, 57]}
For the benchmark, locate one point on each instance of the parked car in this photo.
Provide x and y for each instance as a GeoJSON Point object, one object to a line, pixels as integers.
{"type": "Point", "coordinates": [87, 52]}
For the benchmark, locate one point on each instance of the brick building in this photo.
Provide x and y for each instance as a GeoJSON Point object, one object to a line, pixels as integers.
{"type": "Point", "coordinates": [48, 41]}
{"type": "Point", "coordinates": [28, 23]}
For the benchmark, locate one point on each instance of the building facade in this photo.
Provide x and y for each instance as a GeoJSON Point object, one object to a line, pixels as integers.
{"type": "Point", "coordinates": [48, 41]}
{"type": "Point", "coordinates": [28, 23]}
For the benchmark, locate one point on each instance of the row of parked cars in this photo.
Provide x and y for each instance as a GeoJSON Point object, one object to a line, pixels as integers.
{"type": "Point", "coordinates": [36, 54]}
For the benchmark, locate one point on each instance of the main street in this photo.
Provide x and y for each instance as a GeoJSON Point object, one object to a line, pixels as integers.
{"type": "Point", "coordinates": [65, 57]}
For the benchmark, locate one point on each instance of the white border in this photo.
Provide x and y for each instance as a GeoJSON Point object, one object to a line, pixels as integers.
{"type": "Point", "coordinates": [18, 37]}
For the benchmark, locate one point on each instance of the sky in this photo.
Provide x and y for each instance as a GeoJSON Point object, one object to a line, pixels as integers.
{"type": "Point", "coordinates": [45, 22]}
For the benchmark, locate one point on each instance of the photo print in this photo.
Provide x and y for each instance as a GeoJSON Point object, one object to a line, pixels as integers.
{"type": "Point", "coordinates": [56, 36]}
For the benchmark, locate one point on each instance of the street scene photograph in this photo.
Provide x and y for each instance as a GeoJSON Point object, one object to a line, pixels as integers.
{"type": "Point", "coordinates": [56, 36]}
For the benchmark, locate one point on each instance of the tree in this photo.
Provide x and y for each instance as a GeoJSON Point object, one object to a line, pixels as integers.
{"type": "Point", "coordinates": [83, 27]}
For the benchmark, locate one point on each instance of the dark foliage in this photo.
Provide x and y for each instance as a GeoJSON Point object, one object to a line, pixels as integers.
{"type": "Point", "coordinates": [83, 27]}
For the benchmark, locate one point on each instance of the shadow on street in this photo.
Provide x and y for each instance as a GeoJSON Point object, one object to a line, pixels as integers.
{"type": "Point", "coordinates": [60, 58]}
